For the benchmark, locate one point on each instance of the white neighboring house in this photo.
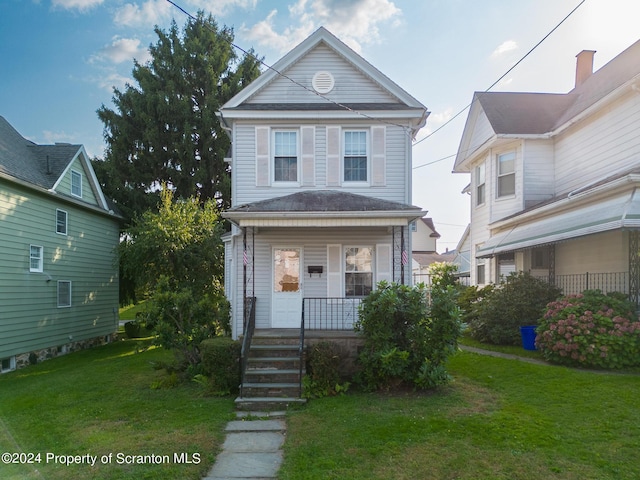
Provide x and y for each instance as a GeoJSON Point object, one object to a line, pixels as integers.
{"type": "Point", "coordinates": [424, 249]}
{"type": "Point", "coordinates": [554, 180]}
{"type": "Point", "coordinates": [321, 187]}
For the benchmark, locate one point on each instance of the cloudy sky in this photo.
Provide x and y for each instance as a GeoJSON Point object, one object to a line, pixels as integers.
{"type": "Point", "coordinates": [60, 59]}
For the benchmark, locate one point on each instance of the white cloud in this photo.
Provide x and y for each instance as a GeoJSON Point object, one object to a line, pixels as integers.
{"type": "Point", "coordinates": [505, 47]}
{"type": "Point", "coordinates": [81, 5]}
{"type": "Point", "coordinates": [152, 12]}
{"type": "Point", "coordinates": [221, 7]}
{"type": "Point", "coordinates": [123, 50]}
{"type": "Point", "coordinates": [114, 80]}
{"type": "Point", "coordinates": [356, 22]}
{"type": "Point", "coordinates": [62, 137]}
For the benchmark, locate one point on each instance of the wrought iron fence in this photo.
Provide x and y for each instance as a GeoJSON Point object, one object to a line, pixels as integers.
{"type": "Point", "coordinates": [579, 282]}
{"type": "Point", "coordinates": [333, 313]}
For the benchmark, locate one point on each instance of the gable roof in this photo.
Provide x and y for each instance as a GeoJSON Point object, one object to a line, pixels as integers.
{"type": "Point", "coordinates": [522, 114]}
{"type": "Point", "coordinates": [401, 99]}
{"type": "Point", "coordinates": [42, 166]}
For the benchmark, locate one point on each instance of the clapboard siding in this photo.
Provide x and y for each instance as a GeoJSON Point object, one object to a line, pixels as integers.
{"type": "Point", "coordinates": [351, 86]}
{"type": "Point", "coordinates": [64, 187]}
{"type": "Point", "coordinates": [539, 178]}
{"type": "Point", "coordinates": [599, 146]}
{"type": "Point", "coordinates": [30, 318]}
{"type": "Point", "coordinates": [247, 190]}
{"type": "Point", "coordinates": [502, 207]}
{"type": "Point", "coordinates": [314, 243]}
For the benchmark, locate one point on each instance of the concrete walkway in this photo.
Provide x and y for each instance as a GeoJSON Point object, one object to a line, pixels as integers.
{"type": "Point", "coordinates": [252, 448]}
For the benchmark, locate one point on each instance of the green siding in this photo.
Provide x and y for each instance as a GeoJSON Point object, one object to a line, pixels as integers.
{"type": "Point", "coordinates": [88, 195]}
{"type": "Point", "coordinates": [29, 316]}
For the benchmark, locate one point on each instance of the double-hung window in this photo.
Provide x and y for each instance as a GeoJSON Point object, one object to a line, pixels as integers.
{"type": "Point", "coordinates": [355, 156]}
{"type": "Point", "coordinates": [506, 174]}
{"type": "Point", "coordinates": [64, 293]}
{"type": "Point", "coordinates": [36, 255]}
{"type": "Point", "coordinates": [76, 183]}
{"type": "Point", "coordinates": [61, 222]}
{"type": "Point", "coordinates": [285, 156]}
{"type": "Point", "coordinates": [358, 271]}
{"type": "Point", "coordinates": [480, 184]}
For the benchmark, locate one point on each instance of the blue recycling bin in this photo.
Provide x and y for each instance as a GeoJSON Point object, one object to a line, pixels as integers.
{"type": "Point", "coordinates": [528, 333]}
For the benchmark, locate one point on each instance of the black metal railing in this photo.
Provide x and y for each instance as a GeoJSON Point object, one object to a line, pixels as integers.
{"type": "Point", "coordinates": [249, 328]}
{"type": "Point", "coordinates": [333, 313]}
{"type": "Point", "coordinates": [301, 350]}
{"type": "Point", "coordinates": [579, 282]}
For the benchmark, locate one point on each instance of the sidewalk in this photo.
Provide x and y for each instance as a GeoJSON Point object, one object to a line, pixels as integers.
{"type": "Point", "coordinates": [252, 448]}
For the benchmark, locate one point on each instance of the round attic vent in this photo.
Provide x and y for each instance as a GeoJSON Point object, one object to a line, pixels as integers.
{"type": "Point", "coordinates": [323, 82]}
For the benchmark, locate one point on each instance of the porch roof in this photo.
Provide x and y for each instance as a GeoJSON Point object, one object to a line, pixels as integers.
{"type": "Point", "coordinates": [313, 208]}
{"type": "Point", "coordinates": [617, 212]}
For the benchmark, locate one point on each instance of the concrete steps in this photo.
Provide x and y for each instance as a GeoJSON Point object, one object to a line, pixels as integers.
{"type": "Point", "coordinates": [272, 379]}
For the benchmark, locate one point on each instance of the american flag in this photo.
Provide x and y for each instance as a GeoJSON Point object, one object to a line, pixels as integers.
{"type": "Point", "coordinates": [405, 258]}
{"type": "Point", "coordinates": [244, 257]}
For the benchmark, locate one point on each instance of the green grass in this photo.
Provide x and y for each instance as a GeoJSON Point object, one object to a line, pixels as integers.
{"type": "Point", "coordinates": [499, 419]}
{"type": "Point", "coordinates": [129, 312]}
{"type": "Point", "coordinates": [510, 349]}
{"type": "Point", "coordinates": [100, 402]}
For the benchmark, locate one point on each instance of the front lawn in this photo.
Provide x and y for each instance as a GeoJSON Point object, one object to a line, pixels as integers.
{"type": "Point", "coordinates": [499, 419]}
{"type": "Point", "coordinates": [99, 403]}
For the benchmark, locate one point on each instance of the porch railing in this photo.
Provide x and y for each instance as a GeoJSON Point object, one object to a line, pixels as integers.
{"type": "Point", "coordinates": [605, 282]}
{"type": "Point", "coordinates": [333, 313]}
{"type": "Point", "coordinates": [249, 328]}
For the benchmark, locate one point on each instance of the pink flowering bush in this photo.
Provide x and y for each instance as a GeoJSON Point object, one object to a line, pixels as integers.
{"type": "Point", "coordinates": [590, 330]}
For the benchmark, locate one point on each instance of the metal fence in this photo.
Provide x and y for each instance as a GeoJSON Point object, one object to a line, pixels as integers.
{"type": "Point", "coordinates": [330, 313]}
{"type": "Point", "coordinates": [579, 282]}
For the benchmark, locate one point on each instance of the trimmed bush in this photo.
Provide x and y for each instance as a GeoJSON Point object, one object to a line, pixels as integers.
{"type": "Point", "coordinates": [323, 371]}
{"type": "Point", "coordinates": [590, 330]}
{"type": "Point", "coordinates": [405, 343]}
{"type": "Point", "coordinates": [221, 364]}
{"type": "Point", "coordinates": [520, 300]}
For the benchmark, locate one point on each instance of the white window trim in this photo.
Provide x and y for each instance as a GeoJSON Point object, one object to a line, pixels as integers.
{"type": "Point", "coordinates": [66, 221]}
{"type": "Point", "coordinates": [499, 175]}
{"type": "Point", "coordinates": [79, 174]}
{"type": "Point", "coordinates": [58, 294]}
{"type": "Point", "coordinates": [40, 267]}
{"type": "Point", "coordinates": [345, 271]}
{"type": "Point", "coordinates": [12, 364]}
{"type": "Point", "coordinates": [358, 183]}
{"type": "Point", "coordinates": [285, 183]}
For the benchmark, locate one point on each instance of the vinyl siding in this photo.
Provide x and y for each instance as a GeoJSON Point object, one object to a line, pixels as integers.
{"type": "Point", "coordinates": [503, 207]}
{"type": "Point", "coordinates": [599, 146]}
{"type": "Point", "coordinates": [245, 165]}
{"type": "Point", "coordinates": [314, 252]}
{"type": "Point", "coordinates": [539, 178]}
{"type": "Point", "coordinates": [64, 187]}
{"type": "Point", "coordinates": [30, 318]}
{"type": "Point", "coordinates": [351, 86]}
{"type": "Point", "coordinates": [605, 252]}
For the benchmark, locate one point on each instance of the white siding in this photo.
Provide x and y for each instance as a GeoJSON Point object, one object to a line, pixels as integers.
{"type": "Point", "coordinates": [314, 244]}
{"type": "Point", "coordinates": [503, 207]}
{"type": "Point", "coordinates": [248, 189]}
{"type": "Point", "coordinates": [351, 86]}
{"type": "Point", "coordinates": [599, 146]}
{"type": "Point", "coordinates": [538, 178]}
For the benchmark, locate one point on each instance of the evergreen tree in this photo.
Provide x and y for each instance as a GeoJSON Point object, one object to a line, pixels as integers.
{"type": "Point", "coordinates": [165, 129]}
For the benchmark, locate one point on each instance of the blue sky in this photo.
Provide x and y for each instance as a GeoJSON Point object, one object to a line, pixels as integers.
{"type": "Point", "coordinates": [60, 59]}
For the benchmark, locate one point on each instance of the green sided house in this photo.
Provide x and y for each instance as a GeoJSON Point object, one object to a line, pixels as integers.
{"type": "Point", "coordinates": [58, 264]}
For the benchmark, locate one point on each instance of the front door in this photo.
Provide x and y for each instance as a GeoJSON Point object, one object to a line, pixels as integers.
{"type": "Point", "coordinates": [287, 290]}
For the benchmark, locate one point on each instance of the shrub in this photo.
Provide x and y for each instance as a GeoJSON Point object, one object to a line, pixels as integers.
{"type": "Point", "coordinates": [221, 364]}
{"type": "Point", "coordinates": [323, 374]}
{"type": "Point", "coordinates": [405, 344]}
{"type": "Point", "coordinates": [132, 329]}
{"type": "Point", "coordinates": [591, 330]}
{"type": "Point", "coordinates": [520, 300]}
{"type": "Point", "coordinates": [469, 301]}
{"type": "Point", "coordinates": [183, 319]}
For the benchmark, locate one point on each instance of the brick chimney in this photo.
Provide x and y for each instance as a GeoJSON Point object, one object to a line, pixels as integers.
{"type": "Point", "coordinates": [584, 66]}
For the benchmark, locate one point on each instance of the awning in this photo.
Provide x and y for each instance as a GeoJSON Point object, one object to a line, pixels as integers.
{"type": "Point", "coordinates": [618, 212]}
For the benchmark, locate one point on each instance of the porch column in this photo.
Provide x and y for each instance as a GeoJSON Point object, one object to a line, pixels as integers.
{"type": "Point", "coordinates": [551, 251]}
{"type": "Point", "coordinates": [634, 267]}
{"type": "Point", "coordinates": [400, 254]}
{"type": "Point", "coordinates": [248, 272]}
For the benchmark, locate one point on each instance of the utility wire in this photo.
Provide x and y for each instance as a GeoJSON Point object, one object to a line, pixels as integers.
{"type": "Point", "coordinates": [493, 85]}
{"type": "Point", "coordinates": [295, 82]}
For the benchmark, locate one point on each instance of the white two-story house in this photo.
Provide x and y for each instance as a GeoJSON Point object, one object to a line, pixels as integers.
{"type": "Point", "coordinates": [321, 187]}
{"type": "Point", "coordinates": [554, 180]}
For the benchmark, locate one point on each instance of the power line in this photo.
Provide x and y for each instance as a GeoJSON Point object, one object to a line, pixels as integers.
{"type": "Point", "coordinates": [295, 82]}
{"type": "Point", "coordinates": [494, 84]}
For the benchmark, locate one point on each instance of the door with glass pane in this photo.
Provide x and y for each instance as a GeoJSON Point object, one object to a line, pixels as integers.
{"type": "Point", "coordinates": [287, 289]}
